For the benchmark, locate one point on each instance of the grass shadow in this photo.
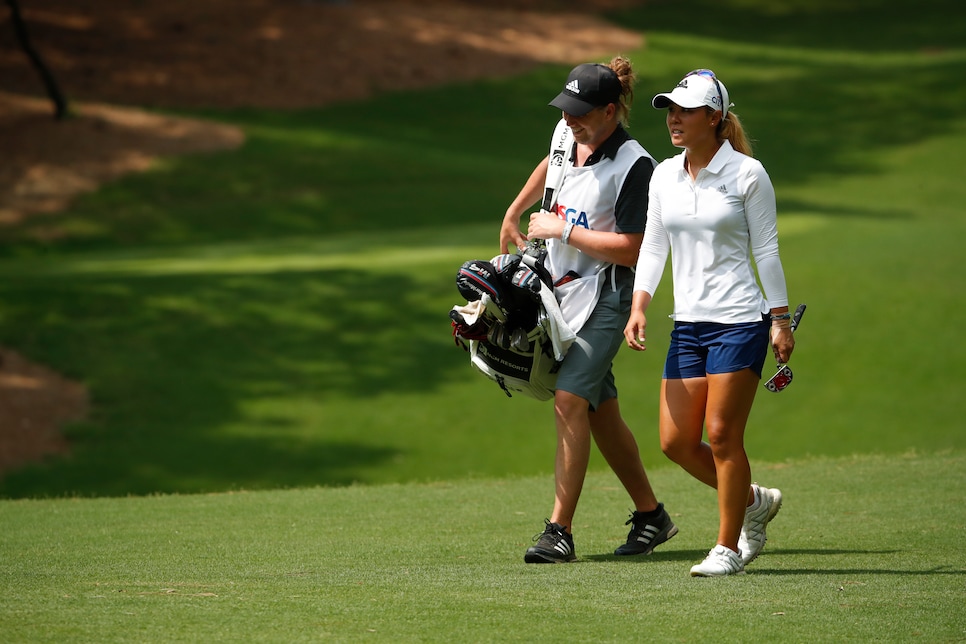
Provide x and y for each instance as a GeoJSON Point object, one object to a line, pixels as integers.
{"type": "Point", "coordinates": [858, 26]}
{"type": "Point", "coordinates": [224, 382]}
{"type": "Point", "coordinates": [855, 571]}
{"type": "Point", "coordinates": [205, 382]}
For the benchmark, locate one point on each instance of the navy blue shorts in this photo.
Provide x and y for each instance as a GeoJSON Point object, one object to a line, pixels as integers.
{"type": "Point", "coordinates": [700, 348]}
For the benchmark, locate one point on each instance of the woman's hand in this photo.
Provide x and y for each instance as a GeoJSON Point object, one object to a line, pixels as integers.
{"type": "Point", "coordinates": [544, 225]}
{"type": "Point", "coordinates": [782, 343]}
{"type": "Point", "coordinates": [634, 331]}
{"type": "Point", "coordinates": [511, 239]}
{"type": "Point", "coordinates": [637, 321]}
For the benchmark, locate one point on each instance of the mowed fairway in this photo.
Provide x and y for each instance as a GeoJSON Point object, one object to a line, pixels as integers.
{"type": "Point", "coordinates": [286, 445]}
{"type": "Point", "coordinates": [851, 556]}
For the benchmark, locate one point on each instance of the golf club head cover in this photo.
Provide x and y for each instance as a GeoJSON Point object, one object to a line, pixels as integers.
{"type": "Point", "coordinates": [506, 265]}
{"type": "Point", "coordinates": [521, 289]}
{"type": "Point", "coordinates": [527, 281]}
{"type": "Point", "coordinates": [477, 278]}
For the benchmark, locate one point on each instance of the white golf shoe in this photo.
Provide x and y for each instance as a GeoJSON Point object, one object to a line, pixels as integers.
{"type": "Point", "coordinates": [721, 561]}
{"type": "Point", "coordinates": [768, 501]}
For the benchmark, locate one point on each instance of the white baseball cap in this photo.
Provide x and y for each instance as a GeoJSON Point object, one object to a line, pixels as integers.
{"type": "Point", "coordinates": [698, 88]}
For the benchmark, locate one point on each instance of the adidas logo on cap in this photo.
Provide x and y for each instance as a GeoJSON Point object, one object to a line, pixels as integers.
{"type": "Point", "coordinates": [588, 86]}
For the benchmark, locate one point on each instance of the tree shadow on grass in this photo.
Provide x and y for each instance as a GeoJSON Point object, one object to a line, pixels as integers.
{"type": "Point", "coordinates": [697, 555]}
{"type": "Point", "coordinates": [939, 570]}
{"type": "Point", "coordinates": [212, 382]}
{"type": "Point", "coordinates": [859, 25]}
{"type": "Point", "coordinates": [799, 205]}
{"type": "Point", "coordinates": [180, 366]}
{"type": "Point", "coordinates": [300, 175]}
{"type": "Point", "coordinates": [760, 566]}
{"type": "Point", "coordinates": [822, 88]}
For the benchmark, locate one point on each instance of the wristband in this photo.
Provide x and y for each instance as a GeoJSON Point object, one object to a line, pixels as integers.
{"type": "Point", "coordinates": [782, 316]}
{"type": "Point", "coordinates": [565, 235]}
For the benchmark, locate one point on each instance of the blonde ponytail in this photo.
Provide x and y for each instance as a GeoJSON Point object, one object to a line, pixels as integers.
{"type": "Point", "coordinates": [730, 129]}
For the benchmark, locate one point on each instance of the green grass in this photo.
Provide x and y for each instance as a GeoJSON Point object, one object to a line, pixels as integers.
{"type": "Point", "coordinates": [288, 446]}
{"type": "Point", "coordinates": [275, 316]}
{"type": "Point", "coordinates": [852, 556]}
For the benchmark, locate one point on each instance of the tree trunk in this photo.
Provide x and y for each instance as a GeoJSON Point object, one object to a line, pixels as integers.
{"type": "Point", "coordinates": [60, 103]}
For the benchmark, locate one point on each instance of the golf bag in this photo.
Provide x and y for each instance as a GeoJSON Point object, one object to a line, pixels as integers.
{"type": "Point", "coordinates": [511, 324]}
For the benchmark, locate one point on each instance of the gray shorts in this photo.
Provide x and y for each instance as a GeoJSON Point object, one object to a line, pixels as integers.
{"type": "Point", "coordinates": [586, 369]}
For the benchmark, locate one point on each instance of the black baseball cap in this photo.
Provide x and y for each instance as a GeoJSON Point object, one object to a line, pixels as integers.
{"type": "Point", "coordinates": [589, 85]}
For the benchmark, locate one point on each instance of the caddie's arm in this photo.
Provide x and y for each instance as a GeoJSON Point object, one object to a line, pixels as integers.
{"type": "Point", "coordinates": [621, 248]}
{"type": "Point", "coordinates": [510, 236]}
{"type": "Point", "coordinates": [617, 248]}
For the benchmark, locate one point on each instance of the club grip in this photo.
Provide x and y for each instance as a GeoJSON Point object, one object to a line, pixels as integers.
{"type": "Point", "coordinates": [547, 202]}
{"type": "Point", "coordinates": [797, 317]}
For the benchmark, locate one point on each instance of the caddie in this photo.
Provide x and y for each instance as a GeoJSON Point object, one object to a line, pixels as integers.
{"type": "Point", "coordinates": [593, 234]}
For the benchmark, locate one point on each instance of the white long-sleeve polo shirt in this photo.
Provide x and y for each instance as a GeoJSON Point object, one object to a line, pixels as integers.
{"type": "Point", "coordinates": [713, 227]}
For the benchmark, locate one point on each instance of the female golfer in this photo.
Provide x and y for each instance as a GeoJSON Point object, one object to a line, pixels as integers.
{"type": "Point", "coordinates": [712, 207]}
